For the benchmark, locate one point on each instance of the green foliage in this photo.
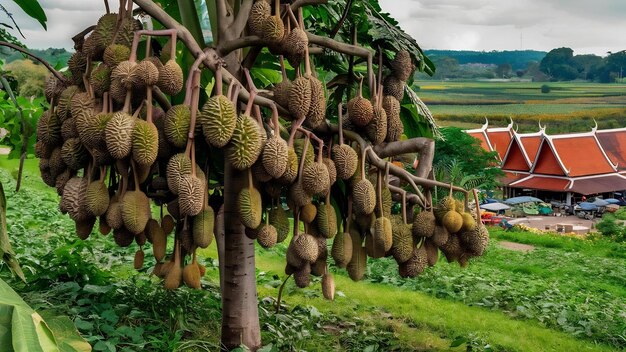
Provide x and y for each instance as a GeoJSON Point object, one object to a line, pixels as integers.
{"type": "Point", "coordinates": [548, 285]}
{"type": "Point", "coordinates": [56, 57]}
{"type": "Point", "coordinates": [30, 77]}
{"type": "Point", "coordinates": [10, 119]}
{"type": "Point", "coordinates": [612, 225]}
{"type": "Point", "coordinates": [459, 159]}
{"type": "Point", "coordinates": [34, 10]}
{"type": "Point", "coordinates": [545, 88]}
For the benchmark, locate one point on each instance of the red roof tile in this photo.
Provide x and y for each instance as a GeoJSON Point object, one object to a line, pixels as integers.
{"type": "Point", "coordinates": [547, 163]}
{"type": "Point", "coordinates": [589, 185]}
{"type": "Point", "coordinates": [515, 159]}
{"type": "Point", "coordinates": [582, 156]}
{"type": "Point", "coordinates": [510, 177]}
{"type": "Point", "coordinates": [500, 141]}
{"type": "Point", "coordinates": [543, 183]}
{"type": "Point", "coordinates": [530, 145]}
{"type": "Point", "coordinates": [614, 144]}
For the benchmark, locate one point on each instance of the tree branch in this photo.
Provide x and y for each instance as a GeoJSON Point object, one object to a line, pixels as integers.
{"type": "Point", "coordinates": [58, 75]}
{"type": "Point", "coordinates": [339, 24]}
{"type": "Point", "coordinates": [239, 24]}
{"type": "Point", "coordinates": [79, 38]}
{"type": "Point", "coordinates": [299, 3]}
{"type": "Point", "coordinates": [424, 146]}
{"type": "Point", "coordinates": [347, 49]}
{"type": "Point", "coordinates": [410, 197]}
{"type": "Point", "coordinates": [226, 47]}
{"type": "Point", "coordinates": [161, 98]}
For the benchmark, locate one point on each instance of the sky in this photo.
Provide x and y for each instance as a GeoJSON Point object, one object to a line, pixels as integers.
{"type": "Point", "coordinates": [587, 26]}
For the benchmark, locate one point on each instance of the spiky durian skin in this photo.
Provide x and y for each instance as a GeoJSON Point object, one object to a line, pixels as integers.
{"type": "Point", "coordinates": [423, 224]}
{"type": "Point", "coordinates": [190, 195]}
{"type": "Point", "coordinates": [275, 156]}
{"type": "Point", "coordinates": [176, 125]}
{"type": "Point", "coordinates": [278, 218]}
{"type": "Point", "coordinates": [170, 78]}
{"type": "Point", "coordinates": [203, 225]}
{"type": "Point", "coordinates": [346, 161]}
{"type": "Point", "coordinates": [244, 148]}
{"type": "Point", "coordinates": [119, 135]}
{"type": "Point", "coordinates": [135, 207]}
{"type": "Point", "coordinates": [178, 165]}
{"type": "Point", "coordinates": [97, 198]}
{"type": "Point", "coordinates": [342, 249]}
{"type": "Point", "coordinates": [249, 204]}
{"type": "Point", "coordinates": [402, 65]}
{"type": "Point", "coordinates": [145, 142]}
{"type": "Point", "coordinates": [306, 247]}
{"type": "Point", "coordinates": [315, 179]}
{"type": "Point", "coordinates": [300, 94]}
{"type": "Point", "coordinates": [364, 197]}
{"type": "Point", "coordinates": [394, 87]}
{"type": "Point", "coordinates": [115, 53]}
{"type": "Point", "coordinates": [218, 119]}
{"type": "Point", "coordinates": [361, 111]}
{"type": "Point", "coordinates": [267, 236]}
{"type": "Point", "coordinates": [258, 13]}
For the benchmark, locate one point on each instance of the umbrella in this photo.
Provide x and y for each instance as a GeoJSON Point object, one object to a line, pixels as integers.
{"type": "Point", "coordinates": [494, 206]}
{"type": "Point", "coordinates": [588, 206]}
{"type": "Point", "coordinates": [612, 201]}
{"type": "Point", "coordinates": [523, 199]}
{"type": "Point", "coordinates": [491, 200]}
{"type": "Point", "coordinates": [600, 202]}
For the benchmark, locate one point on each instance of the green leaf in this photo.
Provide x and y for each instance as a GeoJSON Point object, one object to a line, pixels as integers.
{"type": "Point", "coordinates": [458, 341]}
{"type": "Point", "coordinates": [6, 251]}
{"type": "Point", "coordinates": [34, 10]}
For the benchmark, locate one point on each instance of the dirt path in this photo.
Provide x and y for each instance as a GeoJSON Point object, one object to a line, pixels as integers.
{"type": "Point", "coordinates": [516, 246]}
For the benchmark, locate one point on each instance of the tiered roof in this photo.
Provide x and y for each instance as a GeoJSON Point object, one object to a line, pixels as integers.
{"type": "Point", "coordinates": [584, 163]}
{"type": "Point", "coordinates": [494, 139]}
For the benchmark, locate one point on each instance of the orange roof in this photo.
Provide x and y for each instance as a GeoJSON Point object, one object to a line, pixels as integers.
{"type": "Point", "coordinates": [614, 144]}
{"type": "Point", "coordinates": [530, 144]}
{"type": "Point", "coordinates": [500, 140]}
{"type": "Point", "coordinates": [547, 162]}
{"type": "Point", "coordinates": [582, 156]}
{"type": "Point", "coordinates": [515, 159]}
{"type": "Point", "coordinates": [510, 177]}
{"type": "Point", "coordinates": [482, 138]}
{"type": "Point", "coordinates": [543, 183]}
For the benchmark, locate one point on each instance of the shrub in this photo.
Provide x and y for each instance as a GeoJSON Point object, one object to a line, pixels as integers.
{"type": "Point", "coordinates": [545, 88]}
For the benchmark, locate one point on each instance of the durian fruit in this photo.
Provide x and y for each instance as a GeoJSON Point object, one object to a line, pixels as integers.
{"type": "Point", "coordinates": [191, 190]}
{"type": "Point", "coordinates": [415, 265]}
{"type": "Point", "coordinates": [100, 79]}
{"type": "Point", "coordinates": [326, 219]}
{"type": "Point", "coordinates": [97, 197]}
{"type": "Point", "coordinates": [144, 74]}
{"type": "Point", "coordinates": [402, 247]}
{"type": "Point", "coordinates": [402, 66]}
{"type": "Point", "coordinates": [453, 221]}
{"type": "Point", "coordinates": [123, 237]}
{"type": "Point", "coordinates": [49, 128]}
{"type": "Point", "coordinates": [302, 276]}
{"type": "Point", "coordinates": [281, 89]}
{"type": "Point", "coordinates": [68, 129]}
{"type": "Point", "coordinates": [114, 54]}
{"type": "Point", "coordinates": [65, 99]}
{"type": "Point", "coordinates": [345, 158]}
{"type": "Point", "coordinates": [423, 224]}
{"type": "Point", "coordinates": [126, 31]}
{"type": "Point", "coordinates": [135, 207]}
{"type": "Point", "coordinates": [85, 227]}
{"type": "Point", "coordinates": [328, 286]}
{"type": "Point", "coordinates": [376, 130]}
{"type": "Point", "coordinates": [308, 213]}
{"type": "Point", "coordinates": [123, 72]}
{"type": "Point", "coordinates": [103, 227]}
{"type": "Point", "coordinates": [291, 171]}
{"type": "Point", "coordinates": [74, 155]}
{"type": "Point", "coordinates": [53, 88]}
{"type": "Point", "coordinates": [393, 87]}
{"type": "Point", "coordinates": [309, 156]}
{"type": "Point", "coordinates": [273, 28]}
{"type": "Point", "coordinates": [218, 117]}
{"type": "Point", "coordinates": [105, 28]}
{"type": "Point", "coordinates": [360, 109]}
{"type": "Point", "coordinates": [170, 78]}
{"type": "Point", "coordinates": [73, 199]}
{"type": "Point", "coordinates": [278, 218]}
{"type": "Point", "coordinates": [300, 97]}
{"type": "Point", "coordinates": [245, 146]}
{"type": "Point", "coordinates": [342, 248]}
{"type": "Point", "coordinates": [260, 10]}
{"type": "Point", "coordinates": [191, 274]}
{"type": "Point", "coordinates": [276, 151]}
{"type": "Point", "coordinates": [92, 47]}
{"type": "Point", "coordinates": [363, 193]}
{"type": "Point", "coordinates": [432, 252]}
{"type": "Point", "coordinates": [178, 166]}
{"type": "Point", "coordinates": [176, 125]}
{"type": "Point", "coordinates": [440, 236]}
{"type": "Point", "coordinates": [315, 179]}
{"type": "Point", "coordinates": [452, 248]}
{"type": "Point", "coordinates": [332, 171]}
{"type": "Point", "coordinates": [138, 260]}
{"type": "Point", "coordinates": [159, 240]}
{"type": "Point", "coordinates": [175, 274]}
{"type": "Point", "coordinates": [77, 64]}
{"type": "Point", "coordinates": [267, 236]}
{"type": "Point", "coordinates": [305, 247]}
{"type": "Point", "coordinates": [249, 204]}
{"type": "Point", "coordinates": [145, 142]}
{"type": "Point", "coordinates": [395, 128]}
{"type": "Point", "coordinates": [113, 214]}
{"type": "Point", "coordinates": [167, 224]}
{"type": "Point", "coordinates": [203, 225]}
{"type": "Point", "coordinates": [119, 134]}
{"type": "Point", "coordinates": [476, 240]}
{"type": "Point", "coordinates": [445, 205]}
{"type": "Point", "coordinates": [358, 263]}
{"type": "Point", "coordinates": [293, 259]}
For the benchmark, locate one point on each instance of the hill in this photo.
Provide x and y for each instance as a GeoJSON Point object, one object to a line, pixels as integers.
{"type": "Point", "coordinates": [56, 57]}
{"type": "Point", "coordinates": [517, 58]}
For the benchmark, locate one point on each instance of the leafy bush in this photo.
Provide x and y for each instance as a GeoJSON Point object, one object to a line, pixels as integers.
{"type": "Point", "coordinates": [612, 225]}
{"type": "Point", "coordinates": [545, 88]}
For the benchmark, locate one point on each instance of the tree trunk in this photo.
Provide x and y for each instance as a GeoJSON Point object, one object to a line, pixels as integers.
{"type": "Point", "coordinates": [240, 315]}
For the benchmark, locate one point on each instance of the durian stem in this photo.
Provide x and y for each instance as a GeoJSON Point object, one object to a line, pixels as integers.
{"type": "Point", "coordinates": [300, 18]}
{"type": "Point", "coordinates": [218, 79]}
{"type": "Point", "coordinates": [136, 114]}
{"type": "Point", "coordinates": [229, 92]}
{"type": "Point", "coordinates": [340, 122]}
{"type": "Point", "coordinates": [129, 9]}
{"type": "Point", "coordinates": [126, 107]}
{"type": "Point", "coordinates": [404, 207]}
{"type": "Point", "coordinates": [149, 104]}
{"type": "Point", "coordinates": [282, 68]}
{"type": "Point", "coordinates": [275, 121]}
{"type": "Point", "coordinates": [195, 97]}
{"type": "Point", "coordinates": [105, 103]}
{"type": "Point", "coordinates": [235, 97]}
{"type": "Point", "coordinates": [361, 88]}
{"type": "Point", "coordinates": [277, 9]}
{"type": "Point", "coordinates": [293, 18]}
{"type": "Point", "coordinates": [307, 61]}
{"type": "Point", "coordinates": [135, 174]}
{"type": "Point", "coordinates": [193, 158]}
{"type": "Point", "coordinates": [349, 217]}
{"type": "Point", "coordinates": [106, 6]}
{"type": "Point", "coordinates": [250, 184]}
{"type": "Point", "coordinates": [294, 128]}
{"type": "Point", "coordinates": [450, 190]}
{"type": "Point", "coordinates": [250, 103]}
{"type": "Point", "coordinates": [319, 141]}
{"type": "Point", "coordinates": [379, 191]}
{"type": "Point", "coordinates": [258, 116]}
{"type": "Point", "coordinates": [280, 293]}
{"type": "Point", "coordinates": [477, 208]}
{"type": "Point", "coordinates": [363, 157]}
{"type": "Point", "coordinates": [304, 150]}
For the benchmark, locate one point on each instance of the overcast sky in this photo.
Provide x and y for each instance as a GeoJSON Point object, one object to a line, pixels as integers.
{"type": "Point", "coordinates": [587, 26]}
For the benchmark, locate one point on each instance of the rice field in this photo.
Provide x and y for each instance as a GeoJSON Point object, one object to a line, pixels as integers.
{"type": "Point", "coordinates": [574, 105]}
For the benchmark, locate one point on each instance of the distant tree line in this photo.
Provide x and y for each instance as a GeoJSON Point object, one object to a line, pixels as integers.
{"type": "Point", "coordinates": [562, 65]}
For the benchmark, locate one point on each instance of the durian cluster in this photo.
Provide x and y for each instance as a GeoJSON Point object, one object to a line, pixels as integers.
{"type": "Point", "coordinates": [111, 153]}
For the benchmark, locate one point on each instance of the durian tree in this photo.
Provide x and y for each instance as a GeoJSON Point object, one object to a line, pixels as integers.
{"type": "Point", "coordinates": [284, 115]}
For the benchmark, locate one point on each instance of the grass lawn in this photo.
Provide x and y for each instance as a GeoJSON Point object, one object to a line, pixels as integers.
{"type": "Point", "coordinates": [564, 296]}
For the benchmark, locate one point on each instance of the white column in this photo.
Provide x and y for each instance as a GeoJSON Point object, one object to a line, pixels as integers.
{"type": "Point", "coordinates": [568, 198]}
